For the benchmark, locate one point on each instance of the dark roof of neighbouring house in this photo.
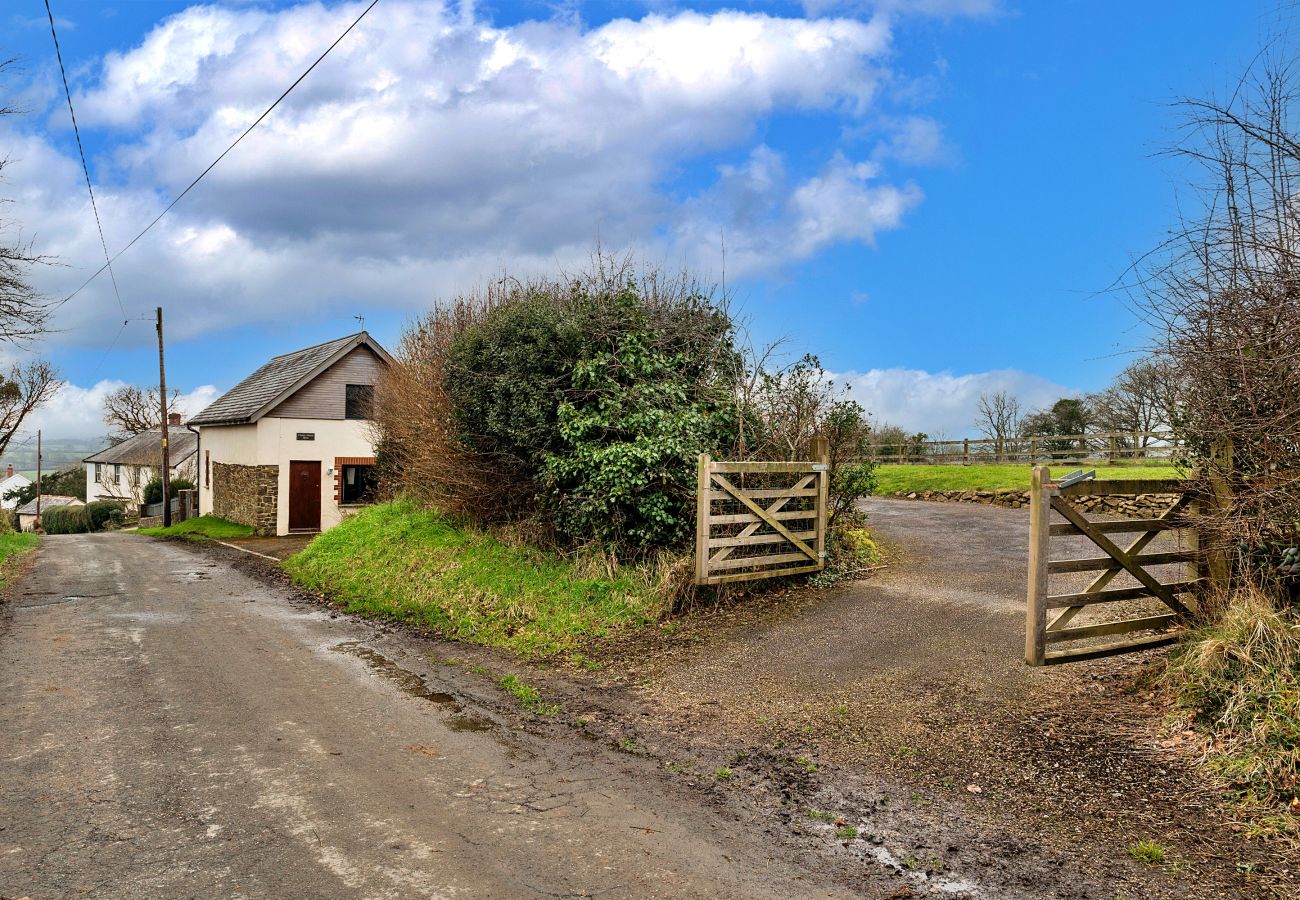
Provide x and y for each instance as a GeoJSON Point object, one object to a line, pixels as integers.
{"type": "Point", "coordinates": [145, 448]}
{"type": "Point", "coordinates": [48, 501]}
{"type": "Point", "coordinates": [275, 381]}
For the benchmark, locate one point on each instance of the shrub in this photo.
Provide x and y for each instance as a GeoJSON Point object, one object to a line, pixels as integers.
{"type": "Point", "coordinates": [153, 490]}
{"type": "Point", "coordinates": [104, 514]}
{"type": "Point", "coordinates": [640, 412]}
{"type": "Point", "coordinates": [583, 402]}
{"type": "Point", "coordinates": [65, 520]}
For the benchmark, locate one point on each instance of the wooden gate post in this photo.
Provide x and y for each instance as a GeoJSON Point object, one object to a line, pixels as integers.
{"type": "Point", "coordinates": [702, 507]}
{"type": "Point", "coordinates": [1218, 558]}
{"type": "Point", "coordinates": [821, 452]}
{"type": "Point", "coordinates": [1040, 551]}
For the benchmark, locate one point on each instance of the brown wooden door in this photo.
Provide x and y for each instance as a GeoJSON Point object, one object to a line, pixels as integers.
{"type": "Point", "coordinates": [304, 496]}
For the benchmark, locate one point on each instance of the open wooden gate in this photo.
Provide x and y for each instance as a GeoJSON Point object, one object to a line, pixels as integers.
{"type": "Point", "coordinates": [759, 519]}
{"type": "Point", "coordinates": [1130, 562]}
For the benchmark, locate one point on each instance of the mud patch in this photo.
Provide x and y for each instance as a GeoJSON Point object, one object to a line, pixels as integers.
{"type": "Point", "coordinates": [413, 685]}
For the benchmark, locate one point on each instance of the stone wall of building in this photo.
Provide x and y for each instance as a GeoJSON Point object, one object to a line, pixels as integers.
{"type": "Point", "coordinates": [246, 494]}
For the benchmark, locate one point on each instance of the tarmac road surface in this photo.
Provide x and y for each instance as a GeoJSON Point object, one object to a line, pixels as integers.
{"type": "Point", "coordinates": [170, 727]}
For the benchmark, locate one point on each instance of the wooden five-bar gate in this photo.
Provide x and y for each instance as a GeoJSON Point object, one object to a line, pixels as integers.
{"type": "Point", "coordinates": [760, 519]}
{"type": "Point", "coordinates": [1050, 616]}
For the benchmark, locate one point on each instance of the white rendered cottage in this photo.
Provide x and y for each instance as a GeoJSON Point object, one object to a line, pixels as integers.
{"type": "Point", "coordinates": [289, 449]}
{"type": "Point", "coordinates": [12, 481]}
{"type": "Point", "coordinates": [121, 472]}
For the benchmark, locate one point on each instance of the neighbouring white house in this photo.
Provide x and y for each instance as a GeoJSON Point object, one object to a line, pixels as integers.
{"type": "Point", "coordinates": [27, 512]}
{"type": "Point", "coordinates": [290, 448]}
{"type": "Point", "coordinates": [12, 482]}
{"type": "Point", "coordinates": [121, 472]}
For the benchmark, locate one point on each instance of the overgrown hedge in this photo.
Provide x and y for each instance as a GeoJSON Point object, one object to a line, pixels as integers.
{"type": "Point", "coordinates": [65, 520]}
{"type": "Point", "coordinates": [580, 406]}
{"type": "Point", "coordinates": [97, 516]}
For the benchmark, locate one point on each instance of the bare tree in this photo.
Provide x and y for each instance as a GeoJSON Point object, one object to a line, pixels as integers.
{"type": "Point", "coordinates": [1141, 399]}
{"type": "Point", "coordinates": [25, 388]}
{"type": "Point", "coordinates": [1224, 292]}
{"type": "Point", "coordinates": [24, 313]}
{"type": "Point", "coordinates": [998, 419]}
{"type": "Point", "coordinates": [130, 410]}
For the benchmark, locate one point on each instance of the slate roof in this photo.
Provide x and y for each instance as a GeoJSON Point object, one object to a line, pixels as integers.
{"type": "Point", "coordinates": [145, 449]}
{"type": "Point", "coordinates": [48, 501]}
{"type": "Point", "coordinates": [278, 378]}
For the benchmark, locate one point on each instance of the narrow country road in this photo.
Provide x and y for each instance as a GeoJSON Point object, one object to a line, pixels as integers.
{"type": "Point", "coordinates": [172, 728]}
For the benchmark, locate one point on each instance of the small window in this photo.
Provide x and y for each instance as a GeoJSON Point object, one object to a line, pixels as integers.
{"type": "Point", "coordinates": [117, 474]}
{"type": "Point", "coordinates": [360, 400]}
{"type": "Point", "coordinates": [358, 485]}
{"type": "Point", "coordinates": [99, 473]}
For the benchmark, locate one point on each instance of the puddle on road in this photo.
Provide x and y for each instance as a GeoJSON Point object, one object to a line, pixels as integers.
{"type": "Point", "coordinates": [413, 685]}
{"type": "Point", "coordinates": [59, 601]}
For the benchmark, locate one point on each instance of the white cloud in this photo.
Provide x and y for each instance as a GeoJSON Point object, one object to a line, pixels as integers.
{"type": "Point", "coordinates": [431, 150]}
{"type": "Point", "coordinates": [941, 404]}
{"type": "Point", "coordinates": [77, 412]}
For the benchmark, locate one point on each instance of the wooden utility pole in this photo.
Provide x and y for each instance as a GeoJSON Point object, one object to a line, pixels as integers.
{"type": "Point", "coordinates": [166, 454]}
{"type": "Point", "coordinates": [37, 526]}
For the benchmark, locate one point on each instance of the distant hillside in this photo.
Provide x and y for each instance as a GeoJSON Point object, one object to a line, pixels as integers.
{"type": "Point", "coordinates": [55, 452]}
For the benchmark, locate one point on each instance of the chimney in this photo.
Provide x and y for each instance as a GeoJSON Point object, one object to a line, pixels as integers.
{"type": "Point", "coordinates": [10, 472]}
{"type": "Point", "coordinates": [173, 419]}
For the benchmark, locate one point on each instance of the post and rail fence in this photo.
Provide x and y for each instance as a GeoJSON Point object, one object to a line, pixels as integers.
{"type": "Point", "coordinates": [1108, 448]}
{"type": "Point", "coordinates": [761, 519]}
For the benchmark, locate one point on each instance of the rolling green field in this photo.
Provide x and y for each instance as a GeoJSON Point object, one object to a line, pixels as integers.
{"type": "Point", "coordinates": [901, 479]}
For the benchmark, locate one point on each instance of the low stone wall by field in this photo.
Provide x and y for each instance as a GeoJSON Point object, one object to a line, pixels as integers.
{"type": "Point", "coordinates": [246, 494]}
{"type": "Point", "coordinates": [1139, 506]}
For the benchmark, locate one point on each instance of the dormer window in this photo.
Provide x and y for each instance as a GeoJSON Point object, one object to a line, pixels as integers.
{"type": "Point", "coordinates": [360, 401]}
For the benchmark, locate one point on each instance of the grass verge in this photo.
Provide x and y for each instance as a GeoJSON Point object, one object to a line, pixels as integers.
{"type": "Point", "coordinates": [13, 545]}
{"type": "Point", "coordinates": [1237, 682]}
{"type": "Point", "coordinates": [397, 561]}
{"type": "Point", "coordinates": [902, 479]}
{"type": "Point", "coordinates": [201, 528]}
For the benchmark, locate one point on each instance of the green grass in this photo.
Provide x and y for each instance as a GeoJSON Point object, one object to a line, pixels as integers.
{"type": "Point", "coordinates": [13, 545]}
{"type": "Point", "coordinates": [846, 832]}
{"type": "Point", "coordinates": [528, 696]}
{"type": "Point", "coordinates": [1148, 852]}
{"type": "Point", "coordinates": [901, 479]}
{"type": "Point", "coordinates": [397, 561]}
{"type": "Point", "coordinates": [201, 528]}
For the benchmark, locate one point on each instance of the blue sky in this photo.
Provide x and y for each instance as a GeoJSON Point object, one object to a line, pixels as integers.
{"type": "Point", "coordinates": [930, 195]}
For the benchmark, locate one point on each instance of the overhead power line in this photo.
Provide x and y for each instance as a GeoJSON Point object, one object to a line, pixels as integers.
{"type": "Point", "coordinates": [58, 53]}
{"type": "Point", "coordinates": [232, 146]}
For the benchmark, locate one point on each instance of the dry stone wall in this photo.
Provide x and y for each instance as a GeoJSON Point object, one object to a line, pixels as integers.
{"type": "Point", "coordinates": [246, 494]}
{"type": "Point", "coordinates": [1138, 506]}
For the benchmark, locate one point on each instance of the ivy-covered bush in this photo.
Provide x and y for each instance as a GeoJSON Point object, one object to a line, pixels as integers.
{"type": "Point", "coordinates": [639, 413]}
{"type": "Point", "coordinates": [596, 404]}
